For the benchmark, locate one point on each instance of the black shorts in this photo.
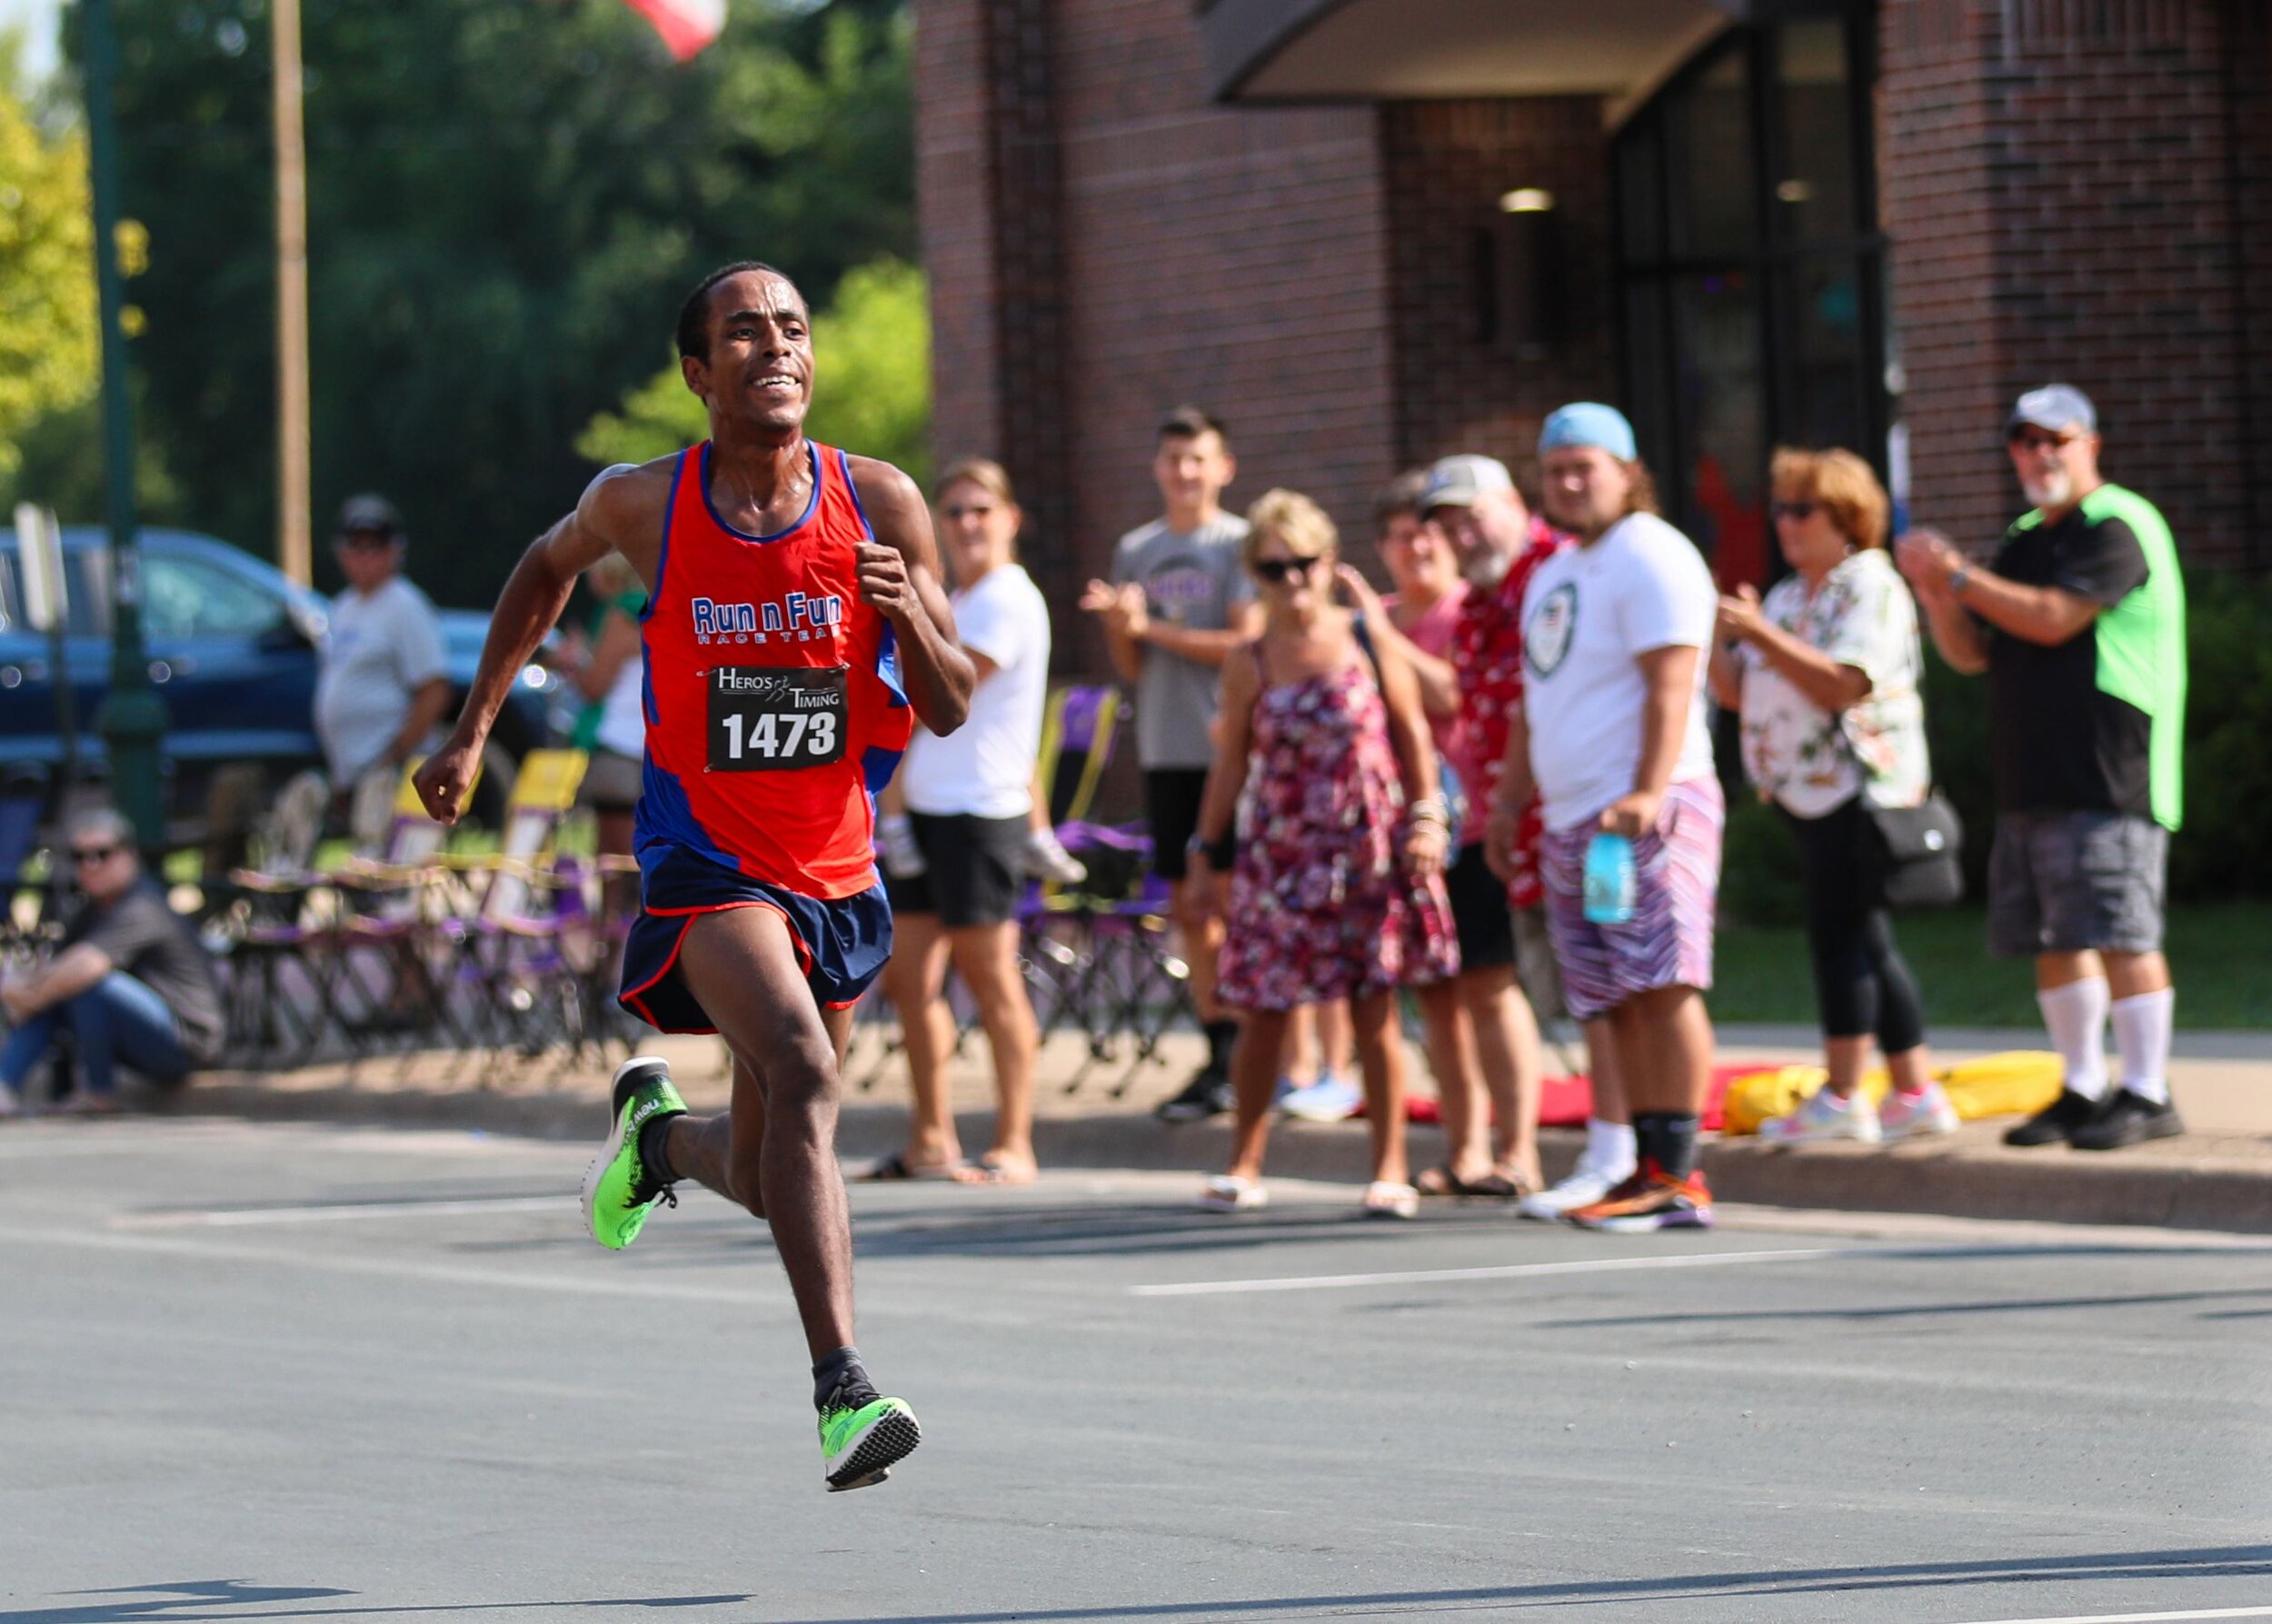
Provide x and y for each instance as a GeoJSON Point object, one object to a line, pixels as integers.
{"type": "Point", "coordinates": [841, 943]}
{"type": "Point", "coordinates": [1479, 912]}
{"type": "Point", "coordinates": [973, 869]}
{"type": "Point", "coordinates": [1171, 802]}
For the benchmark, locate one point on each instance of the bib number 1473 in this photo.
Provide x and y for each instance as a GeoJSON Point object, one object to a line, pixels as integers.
{"type": "Point", "coordinates": [764, 718]}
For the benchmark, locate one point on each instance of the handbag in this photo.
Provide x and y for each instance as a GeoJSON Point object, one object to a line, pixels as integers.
{"type": "Point", "coordinates": [1921, 851]}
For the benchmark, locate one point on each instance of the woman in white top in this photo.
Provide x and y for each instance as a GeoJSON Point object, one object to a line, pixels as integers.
{"type": "Point", "coordinates": [1825, 672]}
{"type": "Point", "coordinates": [969, 800]}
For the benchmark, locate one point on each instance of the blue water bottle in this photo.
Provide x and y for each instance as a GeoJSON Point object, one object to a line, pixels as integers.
{"type": "Point", "coordinates": [1608, 879]}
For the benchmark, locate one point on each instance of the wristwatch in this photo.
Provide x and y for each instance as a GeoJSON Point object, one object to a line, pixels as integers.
{"type": "Point", "coordinates": [1957, 577]}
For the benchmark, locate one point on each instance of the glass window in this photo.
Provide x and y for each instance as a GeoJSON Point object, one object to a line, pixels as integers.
{"type": "Point", "coordinates": [1641, 190]}
{"type": "Point", "coordinates": [1829, 371]}
{"type": "Point", "coordinates": [1722, 401]}
{"type": "Point", "coordinates": [182, 597]}
{"type": "Point", "coordinates": [1815, 194]}
{"type": "Point", "coordinates": [1709, 157]}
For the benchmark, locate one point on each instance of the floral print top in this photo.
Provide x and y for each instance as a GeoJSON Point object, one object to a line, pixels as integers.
{"type": "Point", "coordinates": [1800, 755]}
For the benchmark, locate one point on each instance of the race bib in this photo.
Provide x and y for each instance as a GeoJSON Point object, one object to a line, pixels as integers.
{"type": "Point", "coordinates": [768, 718]}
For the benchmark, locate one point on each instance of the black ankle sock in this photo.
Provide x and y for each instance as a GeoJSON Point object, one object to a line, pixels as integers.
{"type": "Point", "coordinates": [1221, 1036]}
{"type": "Point", "coordinates": [836, 1371]}
{"type": "Point", "coordinates": [654, 1139]}
{"type": "Point", "coordinates": [1666, 1138]}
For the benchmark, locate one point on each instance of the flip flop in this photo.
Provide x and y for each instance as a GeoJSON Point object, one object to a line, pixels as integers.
{"type": "Point", "coordinates": [986, 1170]}
{"type": "Point", "coordinates": [1439, 1182]}
{"type": "Point", "coordinates": [1384, 1200]}
{"type": "Point", "coordinates": [1226, 1193]}
{"type": "Point", "coordinates": [896, 1167]}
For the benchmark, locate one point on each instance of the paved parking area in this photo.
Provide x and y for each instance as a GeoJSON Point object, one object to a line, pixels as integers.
{"type": "Point", "coordinates": [255, 1371]}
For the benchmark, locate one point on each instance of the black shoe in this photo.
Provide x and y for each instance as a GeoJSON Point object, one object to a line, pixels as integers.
{"type": "Point", "coordinates": [2128, 1120]}
{"type": "Point", "coordinates": [1208, 1094]}
{"type": "Point", "coordinates": [2057, 1121]}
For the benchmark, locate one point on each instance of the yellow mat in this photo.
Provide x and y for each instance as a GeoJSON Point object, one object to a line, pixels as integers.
{"type": "Point", "coordinates": [2015, 1083]}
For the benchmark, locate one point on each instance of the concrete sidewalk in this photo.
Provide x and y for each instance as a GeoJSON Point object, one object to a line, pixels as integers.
{"type": "Point", "coordinates": [2218, 1176]}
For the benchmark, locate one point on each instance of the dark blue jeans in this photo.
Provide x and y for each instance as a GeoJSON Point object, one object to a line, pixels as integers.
{"type": "Point", "coordinates": [118, 1022]}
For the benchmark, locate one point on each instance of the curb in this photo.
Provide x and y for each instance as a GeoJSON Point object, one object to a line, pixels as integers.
{"type": "Point", "coordinates": [1963, 1180]}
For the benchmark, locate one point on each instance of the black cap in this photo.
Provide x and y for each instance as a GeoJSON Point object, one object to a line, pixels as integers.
{"type": "Point", "coordinates": [369, 514]}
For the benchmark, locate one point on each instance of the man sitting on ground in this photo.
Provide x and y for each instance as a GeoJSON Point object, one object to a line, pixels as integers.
{"type": "Point", "coordinates": [130, 983]}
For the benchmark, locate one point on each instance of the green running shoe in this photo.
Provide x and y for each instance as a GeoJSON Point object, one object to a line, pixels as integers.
{"type": "Point", "coordinates": [618, 1192]}
{"type": "Point", "coordinates": [863, 1437]}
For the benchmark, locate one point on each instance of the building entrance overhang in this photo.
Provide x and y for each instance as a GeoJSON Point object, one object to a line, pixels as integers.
{"type": "Point", "coordinates": [1262, 50]}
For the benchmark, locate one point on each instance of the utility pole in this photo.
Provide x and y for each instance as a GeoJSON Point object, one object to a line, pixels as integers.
{"type": "Point", "coordinates": [132, 718]}
{"type": "Point", "coordinates": [292, 500]}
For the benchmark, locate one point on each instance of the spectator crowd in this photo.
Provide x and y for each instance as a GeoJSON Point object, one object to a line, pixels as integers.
{"type": "Point", "coordinates": [1493, 788]}
{"type": "Point", "coordinates": [1496, 790]}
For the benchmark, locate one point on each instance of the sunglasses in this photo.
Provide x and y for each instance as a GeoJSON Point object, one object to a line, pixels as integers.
{"type": "Point", "coordinates": [1801, 511]}
{"type": "Point", "coordinates": [1277, 569]}
{"type": "Point", "coordinates": [2040, 440]}
{"type": "Point", "coordinates": [87, 855]}
{"type": "Point", "coordinates": [956, 514]}
{"type": "Point", "coordinates": [367, 540]}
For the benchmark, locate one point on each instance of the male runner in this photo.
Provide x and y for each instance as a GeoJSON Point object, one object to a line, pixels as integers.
{"type": "Point", "coordinates": [794, 614]}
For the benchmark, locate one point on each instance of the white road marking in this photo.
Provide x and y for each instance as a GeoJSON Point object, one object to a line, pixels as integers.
{"type": "Point", "coordinates": [611, 1283]}
{"type": "Point", "coordinates": [1342, 1282]}
{"type": "Point", "coordinates": [2211, 1612]}
{"type": "Point", "coordinates": [234, 1218]}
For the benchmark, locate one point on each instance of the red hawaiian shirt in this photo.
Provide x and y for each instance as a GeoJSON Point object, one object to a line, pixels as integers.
{"type": "Point", "coordinates": [1487, 653]}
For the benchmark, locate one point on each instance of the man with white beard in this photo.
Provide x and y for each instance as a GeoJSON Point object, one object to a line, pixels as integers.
{"type": "Point", "coordinates": [2080, 630]}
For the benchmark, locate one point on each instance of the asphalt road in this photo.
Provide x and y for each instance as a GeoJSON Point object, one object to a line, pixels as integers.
{"type": "Point", "coordinates": [289, 1372]}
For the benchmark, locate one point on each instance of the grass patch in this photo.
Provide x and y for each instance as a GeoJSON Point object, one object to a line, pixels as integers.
{"type": "Point", "coordinates": [2220, 954]}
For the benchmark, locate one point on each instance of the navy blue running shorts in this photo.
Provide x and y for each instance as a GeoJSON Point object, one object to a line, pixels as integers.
{"type": "Point", "coordinates": [842, 946]}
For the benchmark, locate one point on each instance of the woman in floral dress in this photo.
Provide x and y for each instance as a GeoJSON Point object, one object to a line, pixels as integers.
{"type": "Point", "coordinates": [1826, 672]}
{"type": "Point", "coordinates": [1337, 890]}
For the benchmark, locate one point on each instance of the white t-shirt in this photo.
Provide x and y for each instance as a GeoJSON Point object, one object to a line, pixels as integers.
{"type": "Point", "coordinates": [382, 649]}
{"type": "Point", "coordinates": [1588, 615]}
{"type": "Point", "coordinates": [623, 711]}
{"type": "Point", "coordinates": [984, 769]}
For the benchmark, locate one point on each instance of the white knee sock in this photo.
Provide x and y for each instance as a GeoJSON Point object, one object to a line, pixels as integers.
{"type": "Point", "coordinates": [1610, 1148]}
{"type": "Point", "coordinates": [2141, 1036]}
{"type": "Point", "coordinates": [2075, 1017]}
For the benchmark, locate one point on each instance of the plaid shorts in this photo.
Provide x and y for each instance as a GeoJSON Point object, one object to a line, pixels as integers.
{"type": "Point", "coordinates": [1667, 943]}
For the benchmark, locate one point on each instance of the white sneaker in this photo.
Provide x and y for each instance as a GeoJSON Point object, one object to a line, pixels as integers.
{"type": "Point", "coordinates": [1586, 1185]}
{"type": "Point", "coordinates": [1331, 1099]}
{"type": "Point", "coordinates": [1046, 858]}
{"type": "Point", "coordinates": [903, 857]}
{"type": "Point", "coordinates": [1912, 1116]}
{"type": "Point", "coordinates": [1823, 1115]}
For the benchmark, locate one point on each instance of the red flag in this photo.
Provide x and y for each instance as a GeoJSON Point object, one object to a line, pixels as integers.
{"type": "Point", "coordinates": [685, 25]}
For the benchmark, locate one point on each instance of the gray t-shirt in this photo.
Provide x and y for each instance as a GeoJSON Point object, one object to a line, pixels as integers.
{"type": "Point", "coordinates": [382, 650]}
{"type": "Point", "coordinates": [1190, 579]}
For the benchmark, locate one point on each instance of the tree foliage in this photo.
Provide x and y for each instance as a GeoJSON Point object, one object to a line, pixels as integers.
{"type": "Point", "coordinates": [871, 388]}
{"type": "Point", "coordinates": [49, 361]}
{"type": "Point", "coordinates": [508, 200]}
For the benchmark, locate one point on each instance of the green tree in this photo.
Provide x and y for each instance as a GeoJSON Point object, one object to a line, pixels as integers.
{"type": "Point", "coordinates": [48, 356]}
{"type": "Point", "coordinates": [507, 202]}
{"type": "Point", "coordinates": [872, 391]}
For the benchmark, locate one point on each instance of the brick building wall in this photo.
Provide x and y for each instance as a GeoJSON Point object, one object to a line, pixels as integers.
{"type": "Point", "coordinates": [2064, 185]}
{"type": "Point", "coordinates": [1160, 250]}
{"type": "Point", "coordinates": [1445, 165]}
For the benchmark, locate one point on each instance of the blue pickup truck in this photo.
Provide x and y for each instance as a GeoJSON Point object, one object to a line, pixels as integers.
{"type": "Point", "coordinates": [232, 645]}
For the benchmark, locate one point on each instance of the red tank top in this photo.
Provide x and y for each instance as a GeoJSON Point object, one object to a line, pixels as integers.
{"type": "Point", "coordinates": [774, 709]}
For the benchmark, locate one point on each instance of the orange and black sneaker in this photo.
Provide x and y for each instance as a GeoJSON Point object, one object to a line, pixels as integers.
{"type": "Point", "coordinates": [1651, 1199]}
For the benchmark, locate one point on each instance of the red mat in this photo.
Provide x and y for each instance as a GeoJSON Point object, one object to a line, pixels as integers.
{"type": "Point", "coordinates": [1566, 1102]}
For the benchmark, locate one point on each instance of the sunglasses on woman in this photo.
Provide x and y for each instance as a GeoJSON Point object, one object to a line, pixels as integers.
{"type": "Point", "coordinates": [1277, 569]}
{"type": "Point", "coordinates": [1800, 510]}
{"type": "Point", "coordinates": [83, 855]}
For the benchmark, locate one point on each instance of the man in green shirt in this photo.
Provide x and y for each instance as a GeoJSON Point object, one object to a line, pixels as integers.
{"type": "Point", "coordinates": [2080, 630]}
